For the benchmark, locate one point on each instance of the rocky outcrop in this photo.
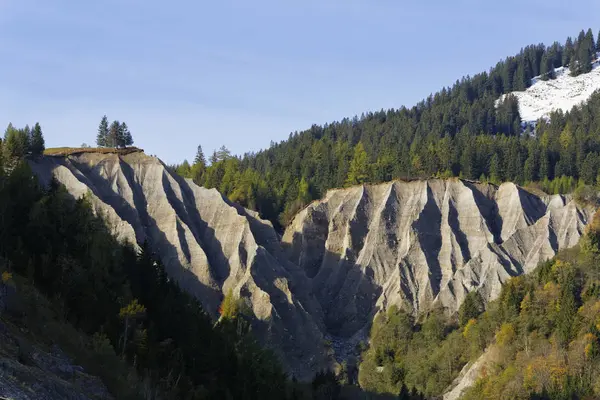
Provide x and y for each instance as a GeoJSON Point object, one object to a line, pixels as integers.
{"type": "Point", "coordinates": [206, 243]}
{"type": "Point", "coordinates": [422, 244]}
{"type": "Point", "coordinates": [415, 244]}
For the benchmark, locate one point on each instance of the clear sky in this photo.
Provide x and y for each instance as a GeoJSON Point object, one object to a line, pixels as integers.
{"type": "Point", "coordinates": [244, 73]}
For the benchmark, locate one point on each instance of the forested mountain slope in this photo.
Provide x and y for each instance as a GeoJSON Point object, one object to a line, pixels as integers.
{"type": "Point", "coordinates": [459, 131]}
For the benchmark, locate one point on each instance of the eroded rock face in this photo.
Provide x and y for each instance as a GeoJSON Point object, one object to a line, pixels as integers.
{"type": "Point", "coordinates": [413, 244]}
{"type": "Point", "coordinates": [423, 243]}
{"type": "Point", "coordinates": [206, 243]}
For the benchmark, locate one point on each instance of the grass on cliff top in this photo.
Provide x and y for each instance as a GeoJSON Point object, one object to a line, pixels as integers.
{"type": "Point", "coordinates": [67, 151]}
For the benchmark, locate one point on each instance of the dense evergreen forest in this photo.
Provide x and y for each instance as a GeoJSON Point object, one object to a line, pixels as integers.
{"type": "Point", "coordinates": [148, 339]}
{"type": "Point", "coordinates": [458, 131]}
{"type": "Point", "coordinates": [541, 335]}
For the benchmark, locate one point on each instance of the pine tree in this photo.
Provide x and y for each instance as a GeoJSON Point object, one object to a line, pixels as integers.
{"type": "Point", "coordinates": [200, 159]}
{"type": "Point", "coordinates": [37, 143]}
{"type": "Point", "coordinates": [598, 44]}
{"type": "Point", "coordinates": [102, 137]}
{"type": "Point", "coordinates": [359, 168]}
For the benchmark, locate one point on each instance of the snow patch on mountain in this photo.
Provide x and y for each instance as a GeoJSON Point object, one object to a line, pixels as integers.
{"type": "Point", "coordinates": [562, 93]}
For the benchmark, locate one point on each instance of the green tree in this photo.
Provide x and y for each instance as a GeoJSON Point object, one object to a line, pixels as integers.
{"type": "Point", "coordinates": [15, 144]}
{"type": "Point", "coordinates": [129, 314]}
{"type": "Point", "coordinates": [223, 154]}
{"type": "Point", "coordinates": [496, 175]}
{"type": "Point", "coordinates": [304, 192]}
{"type": "Point", "coordinates": [114, 134]}
{"type": "Point", "coordinates": [359, 167]}
{"type": "Point", "coordinates": [471, 307]}
{"type": "Point", "coordinates": [200, 159]}
{"type": "Point", "coordinates": [102, 137]}
{"type": "Point", "coordinates": [568, 52]}
{"type": "Point", "coordinates": [37, 143]}
{"type": "Point", "coordinates": [567, 305]}
{"type": "Point", "coordinates": [125, 139]}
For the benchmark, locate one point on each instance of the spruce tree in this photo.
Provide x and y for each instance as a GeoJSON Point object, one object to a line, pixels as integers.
{"type": "Point", "coordinates": [125, 138]}
{"type": "Point", "coordinates": [37, 144]}
{"type": "Point", "coordinates": [214, 158]}
{"type": "Point", "coordinates": [568, 52]}
{"type": "Point", "coordinates": [200, 159]}
{"type": "Point", "coordinates": [114, 132]}
{"type": "Point", "coordinates": [102, 137]}
{"type": "Point", "coordinates": [598, 44]}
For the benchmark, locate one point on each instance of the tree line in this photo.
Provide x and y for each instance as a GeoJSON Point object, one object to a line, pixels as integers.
{"type": "Point", "coordinates": [460, 131]}
{"type": "Point", "coordinates": [116, 134]}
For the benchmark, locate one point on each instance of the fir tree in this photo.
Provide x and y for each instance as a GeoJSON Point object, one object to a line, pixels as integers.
{"type": "Point", "coordinates": [37, 143]}
{"type": "Point", "coordinates": [102, 137]}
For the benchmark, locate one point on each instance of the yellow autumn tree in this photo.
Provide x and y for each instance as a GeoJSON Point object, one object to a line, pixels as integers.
{"type": "Point", "coordinates": [229, 306]}
{"type": "Point", "coordinates": [129, 314]}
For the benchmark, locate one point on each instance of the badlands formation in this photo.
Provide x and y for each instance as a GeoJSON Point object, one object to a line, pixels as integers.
{"type": "Point", "coordinates": [418, 245]}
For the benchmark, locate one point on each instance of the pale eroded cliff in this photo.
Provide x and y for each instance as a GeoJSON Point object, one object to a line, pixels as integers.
{"type": "Point", "coordinates": [423, 243]}
{"type": "Point", "coordinates": [414, 244]}
{"type": "Point", "coordinates": [206, 243]}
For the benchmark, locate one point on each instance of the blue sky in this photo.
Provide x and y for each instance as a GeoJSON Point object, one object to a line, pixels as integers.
{"type": "Point", "coordinates": [241, 73]}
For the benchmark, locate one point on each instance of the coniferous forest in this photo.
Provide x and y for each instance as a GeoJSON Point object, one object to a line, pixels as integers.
{"type": "Point", "coordinates": [459, 131]}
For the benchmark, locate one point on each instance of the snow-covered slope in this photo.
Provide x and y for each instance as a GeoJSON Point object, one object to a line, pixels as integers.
{"type": "Point", "coordinates": [563, 93]}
